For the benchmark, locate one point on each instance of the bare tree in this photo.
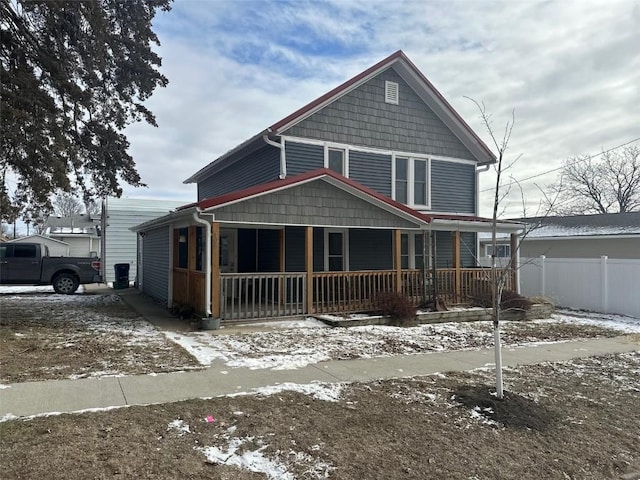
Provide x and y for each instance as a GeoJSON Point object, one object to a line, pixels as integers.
{"type": "Point", "coordinates": [66, 205]}
{"type": "Point", "coordinates": [498, 275]}
{"type": "Point", "coordinates": [608, 183]}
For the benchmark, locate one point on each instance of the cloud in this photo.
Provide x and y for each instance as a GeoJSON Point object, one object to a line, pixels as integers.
{"type": "Point", "coordinates": [569, 69]}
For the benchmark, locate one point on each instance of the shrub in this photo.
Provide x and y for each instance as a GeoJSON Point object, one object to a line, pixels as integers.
{"type": "Point", "coordinates": [396, 306]}
{"type": "Point", "coordinates": [510, 300]}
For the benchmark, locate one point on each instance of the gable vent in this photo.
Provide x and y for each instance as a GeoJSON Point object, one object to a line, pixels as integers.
{"type": "Point", "coordinates": [391, 93]}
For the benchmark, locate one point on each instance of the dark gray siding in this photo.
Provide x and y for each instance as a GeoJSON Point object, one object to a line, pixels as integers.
{"type": "Point", "coordinates": [370, 249]}
{"type": "Point", "coordinates": [372, 170]}
{"type": "Point", "coordinates": [155, 263]}
{"type": "Point", "coordinates": [313, 203]}
{"type": "Point", "coordinates": [294, 238]}
{"type": "Point", "coordinates": [260, 167]}
{"type": "Point", "coordinates": [361, 117]}
{"type": "Point", "coordinates": [268, 250]}
{"type": "Point", "coordinates": [318, 249]}
{"type": "Point", "coordinates": [303, 158]}
{"type": "Point", "coordinates": [444, 250]}
{"type": "Point", "coordinates": [453, 187]}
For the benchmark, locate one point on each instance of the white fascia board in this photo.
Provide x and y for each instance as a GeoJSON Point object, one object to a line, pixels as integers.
{"type": "Point", "coordinates": [164, 220]}
{"type": "Point", "coordinates": [473, 226]}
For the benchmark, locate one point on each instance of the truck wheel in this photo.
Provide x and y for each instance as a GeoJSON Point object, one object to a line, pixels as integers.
{"type": "Point", "coordinates": [65, 283]}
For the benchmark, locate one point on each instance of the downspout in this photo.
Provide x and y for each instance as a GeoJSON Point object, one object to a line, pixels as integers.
{"type": "Point", "coordinates": [283, 162]}
{"type": "Point", "coordinates": [207, 269]}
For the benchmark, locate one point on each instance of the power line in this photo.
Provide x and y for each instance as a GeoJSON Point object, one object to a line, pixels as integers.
{"type": "Point", "coordinates": [562, 166]}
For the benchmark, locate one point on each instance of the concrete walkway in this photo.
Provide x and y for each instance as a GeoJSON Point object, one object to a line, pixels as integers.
{"type": "Point", "coordinates": [32, 398]}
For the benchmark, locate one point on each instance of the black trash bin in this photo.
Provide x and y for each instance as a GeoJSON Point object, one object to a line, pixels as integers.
{"type": "Point", "coordinates": [122, 276]}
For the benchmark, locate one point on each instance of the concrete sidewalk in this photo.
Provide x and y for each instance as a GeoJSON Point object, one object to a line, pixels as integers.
{"type": "Point", "coordinates": [23, 399]}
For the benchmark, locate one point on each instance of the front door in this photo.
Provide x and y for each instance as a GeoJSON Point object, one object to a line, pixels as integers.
{"type": "Point", "coordinates": [228, 251]}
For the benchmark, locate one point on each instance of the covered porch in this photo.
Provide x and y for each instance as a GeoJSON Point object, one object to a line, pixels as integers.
{"type": "Point", "coordinates": [317, 243]}
{"type": "Point", "coordinates": [285, 271]}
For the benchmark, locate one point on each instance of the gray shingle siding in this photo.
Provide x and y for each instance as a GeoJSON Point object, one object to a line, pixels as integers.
{"type": "Point", "coordinates": [453, 187]}
{"type": "Point", "coordinates": [444, 250]}
{"type": "Point", "coordinates": [260, 167]}
{"type": "Point", "coordinates": [303, 157]}
{"type": "Point", "coordinates": [372, 170]}
{"type": "Point", "coordinates": [370, 249]}
{"type": "Point", "coordinates": [155, 263]}
{"type": "Point", "coordinates": [361, 117]}
{"type": "Point", "coordinates": [313, 203]}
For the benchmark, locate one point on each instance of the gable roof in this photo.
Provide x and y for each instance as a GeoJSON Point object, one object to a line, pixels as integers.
{"type": "Point", "coordinates": [409, 73]}
{"type": "Point", "coordinates": [325, 174]}
{"type": "Point", "coordinates": [36, 238]}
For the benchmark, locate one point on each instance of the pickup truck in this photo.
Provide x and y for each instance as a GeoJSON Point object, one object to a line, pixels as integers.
{"type": "Point", "coordinates": [30, 264]}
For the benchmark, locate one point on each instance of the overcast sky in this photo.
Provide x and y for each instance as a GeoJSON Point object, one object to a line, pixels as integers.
{"type": "Point", "coordinates": [569, 69]}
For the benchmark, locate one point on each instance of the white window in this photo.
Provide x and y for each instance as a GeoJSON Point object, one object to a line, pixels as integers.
{"type": "Point", "coordinates": [502, 251]}
{"type": "Point", "coordinates": [411, 181]}
{"type": "Point", "coordinates": [337, 159]}
{"type": "Point", "coordinates": [411, 254]}
{"type": "Point", "coordinates": [391, 92]}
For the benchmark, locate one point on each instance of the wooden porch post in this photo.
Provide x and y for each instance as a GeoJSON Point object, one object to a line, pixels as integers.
{"type": "Point", "coordinates": [456, 265]}
{"type": "Point", "coordinates": [397, 258]}
{"type": "Point", "coordinates": [308, 262]}
{"type": "Point", "coordinates": [215, 270]}
{"type": "Point", "coordinates": [513, 264]}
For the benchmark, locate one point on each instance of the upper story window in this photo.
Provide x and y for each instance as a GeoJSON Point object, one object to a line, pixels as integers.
{"type": "Point", "coordinates": [402, 179]}
{"type": "Point", "coordinates": [336, 159]}
{"type": "Point", "coordinates": [411, 181]}
{"type": "Point", "coordinates": [391, 92]}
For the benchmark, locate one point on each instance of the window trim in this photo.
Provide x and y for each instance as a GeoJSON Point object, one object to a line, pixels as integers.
{"type": "Point", "coordinates": [411, 178]}
{"type": "Point", "coordinates": [489, 248]}
{"type": "Point", "coordinates": [345, 159]}
{"type": "Point", "coordinates": [411, 239]}
{"type": "Point", "coordinates": [345, 247]}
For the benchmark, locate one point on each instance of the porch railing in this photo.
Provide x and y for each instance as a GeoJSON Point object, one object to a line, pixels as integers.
{"type": "Point", "coordinates": [349, 291]}
{"type": "Point", "coordinates": [261, 295]}
{"type": "Point", "coordinates": [474, 282]}
{"type": "Point", "coordinates": [268, 295]}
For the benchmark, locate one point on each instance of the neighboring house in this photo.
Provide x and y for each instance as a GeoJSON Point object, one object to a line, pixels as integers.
{"type": "Point", "coordinates": [80, 232]}
{"type": "Point", "coordinates": [55, 247]}
{"type": "Point", "coordinates": [118, 242]}
{"type": "Point", "coordinates": [589, 262]}
{"type": "Point", "coordinates": [360, 191]}
{"type": "Point", "coordinates": [616, 235]}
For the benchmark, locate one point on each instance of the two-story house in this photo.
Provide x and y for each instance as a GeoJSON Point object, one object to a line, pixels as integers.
{"type": "Point", "coordinates": [371, 187]}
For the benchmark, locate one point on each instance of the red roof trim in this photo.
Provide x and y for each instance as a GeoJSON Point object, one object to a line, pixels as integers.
{"type": "Point", "coordinates": [335, 91]}
{"type": "Point", "coordinates": [323, 172]}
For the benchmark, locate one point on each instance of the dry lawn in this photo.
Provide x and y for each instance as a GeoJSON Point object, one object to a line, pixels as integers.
{"type": "Point", "coordinates": [570, 420]}
{"type": "Point", "coordinates": [47, 337]}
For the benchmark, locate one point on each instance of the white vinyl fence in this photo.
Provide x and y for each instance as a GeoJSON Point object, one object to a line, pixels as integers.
{"type": "Point", "coordinates": [606, 285]}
